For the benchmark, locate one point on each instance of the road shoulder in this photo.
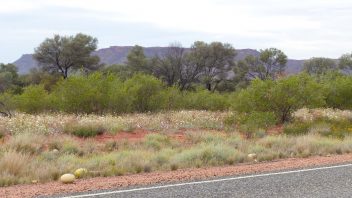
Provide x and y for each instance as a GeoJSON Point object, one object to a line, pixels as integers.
{"type": "Point", "coordinates": [162, 177]}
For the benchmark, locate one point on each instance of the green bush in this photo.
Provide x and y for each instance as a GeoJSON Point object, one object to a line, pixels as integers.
{"type": "Point", "coordinates": [156, 141]}
{"type": "Point", "coordinates": [172, 99]}
{"type": "Point", "coordinates": [117, 98]}
{"type": "Point", "coordinates": [230, 120]}
{"type": "Point", "coordinates": [143, 92]}
{"type": "Point", "coordinates": [34, 99]}
{"type": "Point", "coordinates": [339, 92]}
{"type": "Point", "coordinates": [257, 119]}
{"type": "Point", "coordinates": [80, 94]}
{"type": "Point", "coordinates": [84, 130]}
{"type": "Point", "coordinates": [205, 100]}
{"type": "Point", "coordinates": [297, 128]}
{"type": "Point", "coordinates": [253, 123]}
{"type": "Point", "coordinates": [281, 97]}
{"type": "Point", "coordinates": [323, 127]}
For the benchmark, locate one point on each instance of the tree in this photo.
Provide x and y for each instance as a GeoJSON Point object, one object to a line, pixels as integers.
{"type": "Point", "coordinates": [8, 77]}
{"type": "Point", "coordinates": [170, 66]}
{"type": "Point", "coordinates": [269, 65]}
{"type": "Point", "coordinates": [137, 61]}
{"type": "Point", "coordinates": [37, 76]}
{"type": "Point", "coordinates": [345, 63]}
{"type": "Point", "coordinates": [210, 63]}
{"type": "Point", "coordinates": [62, 54]}
{"type": "Point", "coordinates": [319, 66]}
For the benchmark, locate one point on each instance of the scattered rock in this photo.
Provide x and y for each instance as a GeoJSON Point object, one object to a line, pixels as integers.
{"type": "Point", "coordinates": [67, 178]}
{"type": "Point", "coordinates": [55, 151]}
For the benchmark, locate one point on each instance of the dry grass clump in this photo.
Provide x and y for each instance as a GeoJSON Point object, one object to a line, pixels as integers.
{"type": "Point", "coordinates": [26, 143]}
{"type": "Point", "coordinates": [13, 162]}
{"type": "Point", "coordinates": [328, 113]}
{"type": "Point", "coordinates": [207, 155]}
{"type": "Point", "coordinates": [166, 121]}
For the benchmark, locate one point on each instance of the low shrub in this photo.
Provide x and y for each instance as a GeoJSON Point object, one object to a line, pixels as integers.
{"type": "Point", "coordinates": [205, 154]}
{"type": "Point", "coordinates": [202, 99]}
{"type": "Point", "coordinates": [323, 127]}
{"type": "Point", "coordinates": [34, 99]}
{"type": "Point", "coordinates": [230, 120]}
{"type": "Point", "coordinates": [254, 122]}
{"type": "Point", "coordinates": [297, 128]}
{"type": "Point", "coordinates": [156, 141]}
{"type": "Point", "coordinates": [84, 130]}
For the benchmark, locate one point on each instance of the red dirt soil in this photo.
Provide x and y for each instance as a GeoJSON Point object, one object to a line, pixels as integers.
{"type": "Point", "coordinates": [135, 135]}
{"type": "Point", "coordinates": [275, 130]}
{"type": "Point", "coordinates": [101, 183]}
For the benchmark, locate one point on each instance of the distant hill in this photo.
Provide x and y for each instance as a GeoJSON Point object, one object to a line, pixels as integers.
{"type": "Point", "coordinates": [25, 63]}
{"type": "Point", "coordinates": [118, 55]}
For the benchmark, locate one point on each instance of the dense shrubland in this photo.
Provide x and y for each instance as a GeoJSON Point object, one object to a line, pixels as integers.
{"type": "Point", "coordinates": [107, 93]}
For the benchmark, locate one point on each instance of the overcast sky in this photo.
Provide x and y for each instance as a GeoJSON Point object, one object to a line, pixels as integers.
{"type": "Point", "coordinates": [302, 29]}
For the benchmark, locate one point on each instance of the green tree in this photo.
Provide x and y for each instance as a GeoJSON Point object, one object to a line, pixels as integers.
{"type": "Point", "coordinates": [319, 66]}
{"type": "Point", "coordinates": [8, 77]}
{"type": "Point", "coordinates": [137, 61]}
{"type": "Point", "coordinates": [345, 62]}
{"type": "Point", "coordinates": [37, 76]}
{"type": "Point", "coordinates": [62, 54]}
{"type": "Point", "coordinates": [170, 66]}
{"type": "Point", "coordinates": [210, 63]}
{"type": "Point", "coordinates": [269, 65]}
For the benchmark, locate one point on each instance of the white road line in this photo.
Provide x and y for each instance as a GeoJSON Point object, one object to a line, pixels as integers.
{"type": "Point", "coordinates": [208, 181]}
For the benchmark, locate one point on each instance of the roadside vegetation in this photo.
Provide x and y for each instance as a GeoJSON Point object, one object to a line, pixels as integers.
{"type": "Point", "coordinates": [43, 147]}
{"type": "Point", "coordinates": [176, 110]}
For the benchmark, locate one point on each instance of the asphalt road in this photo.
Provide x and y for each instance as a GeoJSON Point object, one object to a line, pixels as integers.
{"type": "Point", "coordinates": [332, 181]}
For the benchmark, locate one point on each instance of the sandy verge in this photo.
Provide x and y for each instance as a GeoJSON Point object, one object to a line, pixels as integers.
{"type": "Point", "coordinates": [32, 190]}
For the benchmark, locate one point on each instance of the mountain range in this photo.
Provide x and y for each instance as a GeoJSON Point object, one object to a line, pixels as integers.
{"type": "Point", "coordinates": [118, 55]}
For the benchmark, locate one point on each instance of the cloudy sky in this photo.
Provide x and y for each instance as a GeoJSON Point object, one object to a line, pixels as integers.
{"type": "Point", "coordinates": [302, 29]}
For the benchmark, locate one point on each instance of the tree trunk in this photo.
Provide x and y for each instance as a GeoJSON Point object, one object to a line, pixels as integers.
{"type": "Point", "coordinates": [208, 85]}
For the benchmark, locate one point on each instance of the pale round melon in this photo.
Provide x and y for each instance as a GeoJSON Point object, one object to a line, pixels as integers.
{"type": "Point", "coordinates": [67, 178]}
{"type": "Point", "coordinates": [80, 172]}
